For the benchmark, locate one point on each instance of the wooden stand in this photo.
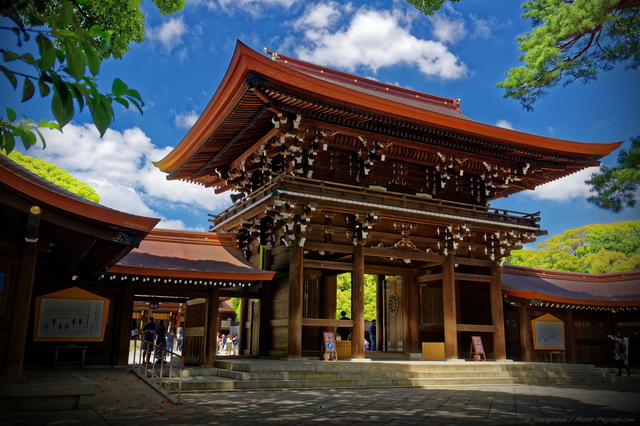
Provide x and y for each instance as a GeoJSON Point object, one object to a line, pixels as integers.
{"type": "Point", "coordinates": [477, 349]}
{"type": "Point", "coordinates": [83, 352]}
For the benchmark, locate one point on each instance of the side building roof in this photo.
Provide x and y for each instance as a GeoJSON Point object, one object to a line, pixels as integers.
{"type": "Point", "coordinates": [571, 288]}
{"type": "Point", "coordinates": [189, 255]}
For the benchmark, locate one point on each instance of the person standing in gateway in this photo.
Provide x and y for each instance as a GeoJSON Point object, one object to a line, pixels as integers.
{"type": "Point", "coordinates": [344, 332]}
{"type": "Point", "coordinates": [148, 337]}
{"type": "Point", "coordinates": [372, 334]}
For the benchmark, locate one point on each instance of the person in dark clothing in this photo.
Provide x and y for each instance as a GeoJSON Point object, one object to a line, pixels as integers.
{"type": "Point", "coordinates": [619, 353]}
{"type": "Point", "coordinates": [372, 334]}
{"type": "Point", "coordinates": [148, 337]}
{"type": "Point", "coordinates": [344, 332]}
{"type": "Point", "coordinates": [161, 340]}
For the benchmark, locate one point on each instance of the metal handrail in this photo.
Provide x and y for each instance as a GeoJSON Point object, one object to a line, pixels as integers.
{"type": "Point", "coordinates": [148, 371]}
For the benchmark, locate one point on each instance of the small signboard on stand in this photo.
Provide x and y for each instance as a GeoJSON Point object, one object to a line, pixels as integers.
{"type": "Point", "coordinates": [477, 349]}
{"type": "Point", "coordinates": [329, 352]}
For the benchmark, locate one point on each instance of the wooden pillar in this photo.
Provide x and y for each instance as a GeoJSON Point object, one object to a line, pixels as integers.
{"type": "Point", "coordinates": [22, 301]}
{"type": "Point", "coordinates": [497, 313]}
{"type": "Point", "coordinates": [412, 295]}
{"type": "Point", "coordinates": [449, 307]}
{"type": "Point", "coordinates": [380, 309]}
{"type": "Point", "coordinates": [242, 333]}
{"type": "Point", "coordinates": [571, 337]}
{"type": "Point", "coordinates": [212, 327]}
{"type": "Point", "coordinates": [265, 311]}
{"type": "Point", "coordinates": [526, 341]}
{"type": "Point", "coordinates": [329, 298]}
{"type": "Point", "coordinates": [124, 328]}
{"type": "Point", "coordinates": [357, 303]}
{"type": "Point", "coordinates": [296, 276]}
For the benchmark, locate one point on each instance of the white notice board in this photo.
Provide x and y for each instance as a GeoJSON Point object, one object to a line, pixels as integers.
{"type": "Point", "coordinates": [70, 318]}
{"type": "Point", "coordinates": [71, 315]}
{"type": "Point", "coordinates": [548, 332]}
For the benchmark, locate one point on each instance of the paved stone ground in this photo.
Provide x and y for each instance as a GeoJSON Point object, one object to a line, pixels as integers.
{"type": "Point", "coordinates": [124, 399]}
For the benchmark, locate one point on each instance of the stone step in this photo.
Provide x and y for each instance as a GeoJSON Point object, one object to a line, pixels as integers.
{"type": "Point", "coordinates": [299, 375]}
{"type": "Point", "coordinates": [303, 374]}
{"type": "Point", "coordinates": [219, 384]}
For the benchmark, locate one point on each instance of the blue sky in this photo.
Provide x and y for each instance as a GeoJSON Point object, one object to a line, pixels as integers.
{"type": "Point", "coordinates": [461, 52]}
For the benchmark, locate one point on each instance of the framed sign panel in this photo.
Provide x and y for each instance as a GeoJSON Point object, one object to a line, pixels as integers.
{"type": "Point", "coordinates": [71, 315]}
{"type": "Point", "coordinates": [548, 332]}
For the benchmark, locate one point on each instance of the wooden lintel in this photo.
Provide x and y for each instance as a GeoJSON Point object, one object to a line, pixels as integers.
{"type": "Point", "coordinates": [473, 277]}
{"type": "Point", "coordinates": [475, 327]}
{"type": "Point", "coordinates": [328, 247]}
{"type": "Point", "coordinates": [325, 264]}
{"type": "Point", "coordinates": [397, 253]}
{"type": "Point", "coordinates": [428, 278]}
{"type": "Point", "coordinates": [320, 322]}
{"type": "Point", "coordinates": [473, 262]}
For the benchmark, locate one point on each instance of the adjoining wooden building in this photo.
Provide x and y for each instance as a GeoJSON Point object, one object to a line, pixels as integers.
{"type": "Point", "coordinates": [71, 269]}
{"type": "Point", "coordinates": [587, 307]}
{"type": "Point", "coordinates": [340, 173]}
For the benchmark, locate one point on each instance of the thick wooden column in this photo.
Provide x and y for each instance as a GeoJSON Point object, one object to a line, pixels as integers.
{"type": "Point", "coordinates": [412, 295]}
{"type": "Point", "coordinates": [212, 327]}
{"type": "Point", "coordinates": [124, 326]}
{"type": "Point", "coordinates": [497, 313]}
{"type": "Point", "coordinates": [329, 298]}
{"type": "Point", "coordinates": [22, 301]}
{"type": "Point", "coordinates": [526, 341]}
{"type": "Point", "coordinates": [265, 311]}
{"type": "Point", "coordinates": [570, 337]}
{"type": "Point", "coordinates": [242, 333]}
{"type": "Point", "coordinates": [296, 275]}
{"type": "Point", "coordinates": [357, 303]}
{"type": "Point", "coordinates": [380, 312]}
{"type": "Point", "coordinates": [449, 307]}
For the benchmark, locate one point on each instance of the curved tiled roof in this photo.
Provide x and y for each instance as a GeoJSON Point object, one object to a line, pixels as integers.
{"type": "Point", "coordinates": [189, 255]}
{"type": "Point", "coordinates": [614, 289]}
{"type": "Point", "coordinates": [239, 116]}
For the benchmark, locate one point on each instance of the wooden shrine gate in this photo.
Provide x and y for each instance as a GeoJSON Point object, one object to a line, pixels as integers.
{"type": "Point", "coordinates": [193, 347]}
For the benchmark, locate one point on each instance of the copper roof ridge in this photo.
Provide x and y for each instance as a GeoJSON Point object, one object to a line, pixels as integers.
{"type": "Point", "coordinates": [331, 74]}
{"type": "Point", "coordinates": [192, 237]}
{"type": "Point", "coordinates": [568, 275]}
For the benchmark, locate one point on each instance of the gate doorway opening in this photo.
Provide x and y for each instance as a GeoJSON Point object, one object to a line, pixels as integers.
{"type": "Point", "coordinates": [195, 331]}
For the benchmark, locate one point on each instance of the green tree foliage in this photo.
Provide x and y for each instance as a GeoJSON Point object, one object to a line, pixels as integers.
{"type": "Point", "coordinates": [616, 187]}
{"type": "Point", "coordinates": [571, 41]}
{"type": "Point", "coordinates": [595, 249]}
{"type": "Point", "coordinates": [428, 7]}
{"type": "Point", "coordinates": [71, 39]}
{"type": "Point", "coordinates": [343, 302]}
{"type": "Point", "coordinates": [56, 175]}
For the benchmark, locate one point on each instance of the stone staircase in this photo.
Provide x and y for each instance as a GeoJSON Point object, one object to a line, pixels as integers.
{"type": "Point", "coordinates": [261, 374]}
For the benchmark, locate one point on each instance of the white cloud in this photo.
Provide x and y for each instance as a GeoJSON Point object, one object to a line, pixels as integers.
{"type": "Point", "coordinates": [322, 15]}
{"type": "Point", "coordinates": [186, 119]}
{"type": "Point", "coordinates": [564, 189]}
{"type": "Point", "coordinates": [255, 8]}
{"type": "Point", "coordinates": [169, 34]}
{"type": "Point", "coordinates": [448, 26]}
{"type": "Point", "coordinates": [482, 28]}
{"type": "Point", "coordinates": [118, 166]}
{"type": "Point", "coordinates": [348, 39]}
{"type": "Point", "coordinates": [505, 124]}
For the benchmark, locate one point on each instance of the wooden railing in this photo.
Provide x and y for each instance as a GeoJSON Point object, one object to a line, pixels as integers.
{"type": "Point", "coordinates": [296, 187]}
